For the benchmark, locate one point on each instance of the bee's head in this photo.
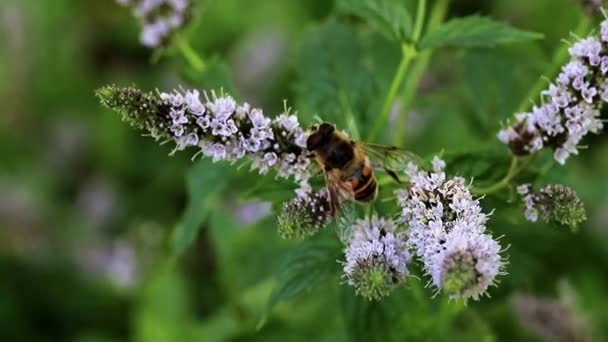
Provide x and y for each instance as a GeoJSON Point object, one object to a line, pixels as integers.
{"type": "Point", "coordinates": [321, 135]}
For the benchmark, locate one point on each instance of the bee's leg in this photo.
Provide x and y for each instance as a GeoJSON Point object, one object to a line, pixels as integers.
{"type": "Point", "coordinates": [393, 175]}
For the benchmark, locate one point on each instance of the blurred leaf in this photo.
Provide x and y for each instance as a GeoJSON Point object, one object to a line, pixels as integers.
{"type": "Point", "coordinates": [163, 313]}
{"type": "Point", "coordinates": [482, 67]}
{"type": "Point", "coordinates": [485, 164]}
{"type": "Point", "coordinates": [204, 183]}
{"type": "Point", "coordinates": [305, 266]}
{"type": "Point", "coordinates": [390, 17]}
{"type": "Point", "coordinates": [216, 76]}
{"type": "Point", "coordinates": [474, 31]}
{"type": "Point", "coordinates": [334, 82]}
{"type": "Point", "coordinates": [403, 316]}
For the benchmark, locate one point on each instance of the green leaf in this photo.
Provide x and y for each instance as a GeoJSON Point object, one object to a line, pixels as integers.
{"type": "Point", "coordinates": [334, 81]}
{"type": "Point", "coordinates": [305, 266]}
{"type": "Point", "coordinates": [475, 31]}
{"type": "Point", "coordinates": [481, 69]}
{"type": "Point", "coordinates": [162, 311]}
{"type": "Point", "coordinates": [204, 183]}
{"type": "Point", "coordinates": [406, 316]}
{"type": "Point", "coordinates": [390, 17]}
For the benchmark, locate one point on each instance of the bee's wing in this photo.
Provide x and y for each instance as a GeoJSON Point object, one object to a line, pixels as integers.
{"type": "Point", "coordinates": [391, 159]}
{"type": "Point", "coordinates": [341, 204]}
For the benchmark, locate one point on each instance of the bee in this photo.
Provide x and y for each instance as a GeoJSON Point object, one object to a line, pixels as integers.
{"type": "Point", "coordinates": [349, 166]}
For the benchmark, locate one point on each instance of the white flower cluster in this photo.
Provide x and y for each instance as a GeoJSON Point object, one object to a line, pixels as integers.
{"type": "Point", "coordinates": [446, 231]}
{"type": "Point", "coordinates": [376, 257]}
{"type": "Point", "coordinates": [571, 105]}
{"type": "Point", "coordinates": [161, 18]}
{"type": "Point", "coordinates": [225, 130]}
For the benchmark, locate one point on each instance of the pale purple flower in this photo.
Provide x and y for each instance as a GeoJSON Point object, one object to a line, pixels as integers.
{"type": "Point", "coordinates": [438, 209]}
{"type": "Point", "coordinates": [225, 130]}
{"type": "Point", "coordinates": [466, 265]}
{"type": "Point", "coordinates": [376, 258]}
{"type": "Point", "coordinates": [571, 107]}
{"type": "Point", "coordinates": [158, 26]}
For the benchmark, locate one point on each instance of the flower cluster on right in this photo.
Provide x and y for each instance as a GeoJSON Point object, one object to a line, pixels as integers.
{"type": "Point", "coordinates": [570, 107]}
{"type": "Point", "coordinates": [445, 231]}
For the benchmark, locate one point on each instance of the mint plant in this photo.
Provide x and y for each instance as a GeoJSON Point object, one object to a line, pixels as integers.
{"type": "Point", "coordinates": [435, 224]}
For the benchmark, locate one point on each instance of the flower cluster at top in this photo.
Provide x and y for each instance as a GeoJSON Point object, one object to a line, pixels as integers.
{"type": "Point", "coordinates": [376, 258]}
{"type": "Point", "coordinates": [447, 232]}
{"type": "Point", "coordinates": [160, 18]}
{"type": "Point", "coordinates": [219, 127]}
{"type": "Point", "coordinates": [555, 202]}
{"type": "Point", "coordinates": [571, 104]}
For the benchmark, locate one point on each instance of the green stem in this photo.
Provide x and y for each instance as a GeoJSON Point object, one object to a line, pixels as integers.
{"type": "Point", "coordinates": [417, 70]}
{"type": "Point", "coordinates": [420, 13]}
{"type": "Point", "coordinates": [195, 61]}
{"type": "Point", "coordinates": [408, 53]}
{"type": "Point", "coordinates": [514, 169]}
{"type": "Point", "coordinates": [559, 58]}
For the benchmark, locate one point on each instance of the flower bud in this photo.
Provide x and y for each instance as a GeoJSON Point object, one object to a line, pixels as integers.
{"type": "Point", "coordinates": [562, 205]}
{"type": "Point", "coordinates": [140, 109]}
{"type": "Point", "coordinates": [304, 215]}
{"type": "Point", "coordinates": [553, 203]}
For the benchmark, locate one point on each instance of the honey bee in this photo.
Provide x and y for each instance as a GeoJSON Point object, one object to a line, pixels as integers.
{"type": "Point", "coordinates": [349, 166]}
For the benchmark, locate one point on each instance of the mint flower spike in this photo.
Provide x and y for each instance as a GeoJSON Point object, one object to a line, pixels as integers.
{"type": "Point", "coordinates": [161, 19]}
{"type": "Point", "coordinates": [305, 215]}
{"type": "Point", "coordinates": [553, 203]}
{"type": "Point", "coordinates": [376, 258]}
{"type": "Point", "coordinates": [570, 106]}
{"type": "Point", "coordinates": [218, 127]}
{"type": "Point", "coordinates": [446, 232]}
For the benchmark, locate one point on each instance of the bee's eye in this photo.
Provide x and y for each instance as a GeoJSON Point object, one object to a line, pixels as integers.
{"type": "Point", "coordinates": [314, 141]}
{"type": "Point", "coordinates": [327, 128]}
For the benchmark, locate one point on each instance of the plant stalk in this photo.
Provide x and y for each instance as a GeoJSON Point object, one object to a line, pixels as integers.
{"type": "Point", "coordinates": [189, 54]}
{"type": "Point", "coordinates": [408, 53]}
{"type": "Point", "coordinates": [418, 69]}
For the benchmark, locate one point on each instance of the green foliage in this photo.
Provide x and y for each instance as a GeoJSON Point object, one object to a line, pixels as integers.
{"type": "Point", "coordinates": [327, 85]}
{"type": "Point", "coordinates": [305, 266]}
{"type": "Point", "coordinates": [390, 17]}
{"type": "Point", "coordinates": [205, 183]}
{"type": "Point", "coordinates": [474, 31]}
{"type": "Point", "coordinates": [409, 310]}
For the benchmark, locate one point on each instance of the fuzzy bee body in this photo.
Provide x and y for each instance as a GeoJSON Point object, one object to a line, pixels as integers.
{"type": "Point", "coordinates": [346, 165]}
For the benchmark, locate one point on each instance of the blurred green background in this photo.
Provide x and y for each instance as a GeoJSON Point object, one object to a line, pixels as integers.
{"type": "Point", "coordinates": [96, 237]}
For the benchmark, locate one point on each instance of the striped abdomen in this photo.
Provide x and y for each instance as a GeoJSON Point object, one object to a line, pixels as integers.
{"type": "Point", "coordinates": [363, 183]}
